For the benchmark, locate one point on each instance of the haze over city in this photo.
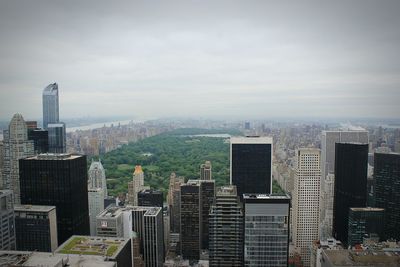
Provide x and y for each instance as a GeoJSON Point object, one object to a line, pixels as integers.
{"type": "Point", "coordinates": [233, 59]}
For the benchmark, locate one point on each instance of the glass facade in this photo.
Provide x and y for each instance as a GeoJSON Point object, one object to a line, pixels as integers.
{"type": "Point", "coordinates": [350, 189]}
{"type": "Point", "coordinates": [266, 230]}
{"type": "Point", "coordinates": [387, 191]}
{"type": "Point", "coordinates": [364, 222]}
{"type": "Point", "coordinates": [251, 168]}
{"type": "Point", "coordinates": [50, 105]}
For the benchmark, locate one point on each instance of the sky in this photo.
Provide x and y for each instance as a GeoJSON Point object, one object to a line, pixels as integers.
{"type": "Point", "coordinates": [202, 59]}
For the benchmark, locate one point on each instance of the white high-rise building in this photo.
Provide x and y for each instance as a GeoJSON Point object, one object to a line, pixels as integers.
{"type": "Point", "coordinates": [97, 177]}
{"type": "Point", "coordinates": [96, 206]}
{"type": "Point", "coordinates": [16, 146]}
{"type": "Point", "coordinates": [136, 185]}
{"type": "Point", "coordinates": [306, 196]}
{"type": "Point", "coordinates": [326, 206]}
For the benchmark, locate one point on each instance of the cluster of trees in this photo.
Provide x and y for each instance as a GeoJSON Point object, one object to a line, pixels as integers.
{"type": "Point", "coordinates": [177, 151]}
{"type": "Point", "coordinates": [181, 151]}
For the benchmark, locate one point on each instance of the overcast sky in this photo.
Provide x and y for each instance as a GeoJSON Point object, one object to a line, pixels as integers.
{"type": "Point", "coordinates": [237, 59]}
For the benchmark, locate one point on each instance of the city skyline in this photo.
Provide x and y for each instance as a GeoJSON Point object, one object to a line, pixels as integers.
{"type": "Point", "coordinates": [202, 58]}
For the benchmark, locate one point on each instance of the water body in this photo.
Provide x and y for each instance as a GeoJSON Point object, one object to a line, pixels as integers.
{"type": "Point", "coordinates": [99, 125]}
{"type": "Point", "coordinates": [211, 135]}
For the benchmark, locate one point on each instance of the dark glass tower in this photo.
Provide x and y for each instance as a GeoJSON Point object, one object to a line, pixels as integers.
{"type": "Point", "coordinates": [190, 220]}
{"type": "Point", "coordinates": [40, 140]}
{"type": "Point", "coordinates": [61, 181]}
{"type": "Point", "coordinates": [207, 188]}
{"type": "Point", "coordinates": [350, 189]}
{"type": "Point", "coordinates": [36, 228]}
{"type": "Point", "coordinates": [150, 198]}
{"type": "Point", "coordinates": [387, 190]}
{"type": "Point", "coordinates": [57, 137]}
{"type": "Point", "coordinates": [364, 222]}
{"type": "Point", "coordinates": [251, 159]}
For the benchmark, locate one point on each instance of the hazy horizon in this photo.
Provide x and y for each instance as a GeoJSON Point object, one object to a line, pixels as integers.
{"type": "Point", "coordinates": [202, 59]}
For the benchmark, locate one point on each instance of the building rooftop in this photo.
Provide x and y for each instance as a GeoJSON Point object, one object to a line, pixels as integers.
{"type": "Point", "coordinates": [111, 212]}
{"type": "Point", "coordinates": [93, 245]}
{"type": "Point", "coordinates": [138, 170]}
{"type": "Point", "coordinates": [227, 191]}
{"type": "Point", "coordinates": [51, 89]}
{"type": "Point", "coordinates": [251, 140]}
{"type": "Point", "coordinates": [266, 196]}
{"type": "Point", "coordinates": [52, 156]}
{"type": "Point", "coordinates": [363, 258]}
{"type": "Point", "coordinates": [34, 208]}
{"type": "Point", "coordinates": [367, 209]}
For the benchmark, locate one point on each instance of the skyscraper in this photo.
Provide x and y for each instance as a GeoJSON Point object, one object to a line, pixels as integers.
{"type": "Point", "coordinates": [191, 213]}
{"type": "Point", "coordinates": [226, 229]}
{"type": "Point", "coordinates": [207, 198]}
{"type": "Point", "coordinates": [50, 105]}
{"type": "Point", "coordinates": [328, 140]}
{"type": "Point", "coordinates": [97, 177]}
{"type": "Point", "coordinates": [326, 206]}
{"type": "Point", "coordinates": [351, 162]}
{"type": "Point", "coordinates": [36, 228]}
{"type": "Point", "coordinates": [1, 163]}
{"type": "Point", "coordinates": [174, 202]}
{"type": "Point", "coordinates": [58, 180]}
{"type": "Point", "coordinates": [364, 222]}
{"type": "Point", "coordinates": [96, 206]}
{"type": "Point", "coordinates": [205, 171]}
{"type": "Point", "coordinates": [250, 166]}
{"type": "Point", "coordinates": [305, 202]}
{"type": "Point", "coordinates": [57, 137]}
{"type": "Point", "coordinates": [148, 223]}
{"type": "Point", "coordinates": [136, 185]}
{"type": "Point", "coordinates": [16, 146]}
{"type": "Point", "coordinates": [40, 140]}
{"type": "Point", "coordinates": [7, 223]}
{"type": "Point", "coordinates": [266, 230]}
{"type": "Point", "coordinates": [387, 190]}
{"type": "Point", "coordinates": [150, 198]}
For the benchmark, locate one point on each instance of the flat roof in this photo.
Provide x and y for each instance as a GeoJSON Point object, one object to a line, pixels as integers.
{"type": "Point", "coordinates": [110, 212]}
{"type": "Point", "coordinates": [251, 140]}
{"type": "Point", "coordinates": [367, 209]}
{"type": "Point", "coordinates": [266, 196]}
{"type": "Point", "coordinates": [93, 245]}
{"type": "Point", "coordinates": [53, 156]}
{"type": "Point", "coordinates": [344, 257]}
{"type": "Point", "coordinates": [34, 208]}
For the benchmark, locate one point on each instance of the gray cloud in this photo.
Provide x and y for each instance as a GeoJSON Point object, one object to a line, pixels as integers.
{"type": "Point", "coordinates": [202, 58]}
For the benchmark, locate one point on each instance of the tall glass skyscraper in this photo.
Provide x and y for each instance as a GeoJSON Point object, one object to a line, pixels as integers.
{"type": "Point", "coordinates": [387, 191]}
{"type": "Point", "coordinates": [266, 230]}
{"type": "Point", "coordinates": [50, 105]}
{"type": "Point", "coordinates": [251, 161]}
{"type": "Point", "coordinates": [350, 189]}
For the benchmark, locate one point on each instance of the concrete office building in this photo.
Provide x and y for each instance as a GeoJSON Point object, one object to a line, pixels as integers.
{"type": "Point", "coordinates": [16, 146]}
{"type": "Point", "coordinates": [117, 250]}
{"type": "Point", "coordinates": [7, 223]}
{"type": "Point", "coordinates": [58, 180]}
{"type": "Point", "coordinates": [96, 206]}
{"type": "Point", "coordinates": [205, 171]}
{"type": "Point", "coordinates": [97, 177]}
{"type": "Point", "coordinates": [251, 164]}
{"type": "Point", "coordinates": [266, 230]}
{"type": "Point", "coordinates": [36, 228]}
{"type": "Point", "coordinates": [305, 202]}
{"type": "Point", "coordinates": [109, 222]}
{"type": "Point", "coordinates": [226, 229]}
{"type": "Point", "coordinates": [136, 185]}
{"type": "Point", "coordinates": [174, 202]}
